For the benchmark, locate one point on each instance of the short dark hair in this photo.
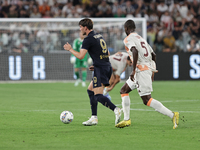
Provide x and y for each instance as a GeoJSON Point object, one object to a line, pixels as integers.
{"type": "Point", "coordinates": [86, 22]}
{"type": "Point", "coordinates": [130, 24]}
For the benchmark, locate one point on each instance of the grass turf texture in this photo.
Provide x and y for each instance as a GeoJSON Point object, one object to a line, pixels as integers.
{"type": "Point", "coordinates": [29, 118]}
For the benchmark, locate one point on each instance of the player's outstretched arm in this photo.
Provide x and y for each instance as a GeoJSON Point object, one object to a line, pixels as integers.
{"type": "Point", "coordinates": [79, 55]}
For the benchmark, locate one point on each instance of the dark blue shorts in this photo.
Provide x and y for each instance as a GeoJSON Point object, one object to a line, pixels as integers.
{"type": "Point", "coordinates": [101, 75]}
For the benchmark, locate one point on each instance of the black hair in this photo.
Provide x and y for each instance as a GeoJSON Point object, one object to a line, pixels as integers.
{"type": "Point", "coordinates": [130, 24]}
{"type": "Point", "coordinates": [86, 22]}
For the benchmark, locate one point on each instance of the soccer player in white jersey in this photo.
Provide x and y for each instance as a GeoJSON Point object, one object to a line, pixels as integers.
{"type": "Point", "coordinates": [143, 58]}
{"type": "Point", "coordinates": [119, 62]}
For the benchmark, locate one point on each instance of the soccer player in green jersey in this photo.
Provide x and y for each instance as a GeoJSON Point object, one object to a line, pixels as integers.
{"type": "Point", "coordinates": [79, 64]}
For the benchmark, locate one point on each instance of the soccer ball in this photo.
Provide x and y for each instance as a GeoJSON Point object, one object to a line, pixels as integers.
{"type": "Point", "coordinates": [72, 59]}
{"type": "Point", "coordinates": [89, 61]}
{"type": "Point", "coordinates": [66, 116]}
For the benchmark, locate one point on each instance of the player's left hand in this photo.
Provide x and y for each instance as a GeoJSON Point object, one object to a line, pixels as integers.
{"type": "Point", "coordinates": [91, 68]}
{"type": "Point", "coordinates": [67, 46]}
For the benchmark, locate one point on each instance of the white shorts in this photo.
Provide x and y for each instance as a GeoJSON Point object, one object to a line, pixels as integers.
{"type": "Point", "coordinates": [132, 84]}
{"type": "Point", "coordinates": [142, 82]}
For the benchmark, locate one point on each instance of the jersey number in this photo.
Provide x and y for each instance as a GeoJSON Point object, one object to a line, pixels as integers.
{"type": "Point", "coordinates": [143, 46]}
{"type": "Point", "coordinates": [118, 59]}
{"type": "Point", "coordinates": [118, 54]}
{"type": "Point", "coordinates": [103, 45]}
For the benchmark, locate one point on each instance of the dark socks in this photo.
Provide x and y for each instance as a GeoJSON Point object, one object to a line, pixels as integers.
{"type": "Point", "coordinates": [104, 101]}
{"type": "Point", "coordinates": [93, 102]}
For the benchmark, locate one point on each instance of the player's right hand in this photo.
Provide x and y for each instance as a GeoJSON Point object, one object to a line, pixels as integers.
{"type": "Point", "coordinates": [67, 46]}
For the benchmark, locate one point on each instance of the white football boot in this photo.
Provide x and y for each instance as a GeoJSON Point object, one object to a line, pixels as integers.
{"type": "Point", "coordinates": [118, 113]}
{"type": "Point", "coordinates": [92, 121]}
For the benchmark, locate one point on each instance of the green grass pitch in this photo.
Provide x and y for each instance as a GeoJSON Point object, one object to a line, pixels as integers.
{"type": "Point", "coordinates": [29, 118]}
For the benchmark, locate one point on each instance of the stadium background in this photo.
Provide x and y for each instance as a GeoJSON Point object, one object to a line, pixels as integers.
{"type": "Point", "coordinates": [30, 112]}
{"type": "Point", "coordinates": [31, 49]}
{"type": "Point", "coordinates": [57, 67]}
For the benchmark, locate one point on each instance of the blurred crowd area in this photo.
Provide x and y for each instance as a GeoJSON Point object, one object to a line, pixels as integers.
{"type": "Point", "coordinates": [172, 25]}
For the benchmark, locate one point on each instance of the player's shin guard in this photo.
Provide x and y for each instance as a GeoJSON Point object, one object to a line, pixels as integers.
{"type": "Point", "coordinates": [93, 102]}
{"type": "Point", "coordinates": [126, 105]}
{"type": "Point", "coordinates": [105, 101]}
{"type": "Point", "coordinates": [158, 106]}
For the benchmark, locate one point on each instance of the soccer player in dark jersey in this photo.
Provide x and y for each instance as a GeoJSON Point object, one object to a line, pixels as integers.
{"type": "Point", "coordinates": [95, 45]}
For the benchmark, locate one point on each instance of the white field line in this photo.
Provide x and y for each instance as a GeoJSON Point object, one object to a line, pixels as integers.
{"type": "Point", "coordinates": [120, 105]}
{"type": "Point", "coordinates": [86, 109]}
{"type": "Point", "coordinates": [38, 81]}
{"type": "Point", "coordinates": [163, 102]}
{"type": "Point", "coordinates": [154, 110]}
{"type": "Point", "coordinates": [28, 110]}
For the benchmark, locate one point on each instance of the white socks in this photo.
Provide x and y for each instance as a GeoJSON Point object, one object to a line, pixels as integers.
{"type": "Point", "coordinates": [159, 107]}
{"type": "Point", "coordinates": [126, 106]}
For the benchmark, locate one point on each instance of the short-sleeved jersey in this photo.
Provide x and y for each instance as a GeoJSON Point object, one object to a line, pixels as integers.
{"type": "Point", "coordinates": [118, 62]}
{"type": "Point", "coordinates": [144, 50]}
{"type": "Point", "coordinates": [96, 46]}
{"type": "Point", "coordinates": [77, 46]}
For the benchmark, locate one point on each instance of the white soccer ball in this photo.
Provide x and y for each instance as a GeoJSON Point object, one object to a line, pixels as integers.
{"type": "Point", "coordinates": [72, 59]}
{"type": "Point", "coordinates": [89, 61]}
{"type": "Point", "coordinates": [66, 116]}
